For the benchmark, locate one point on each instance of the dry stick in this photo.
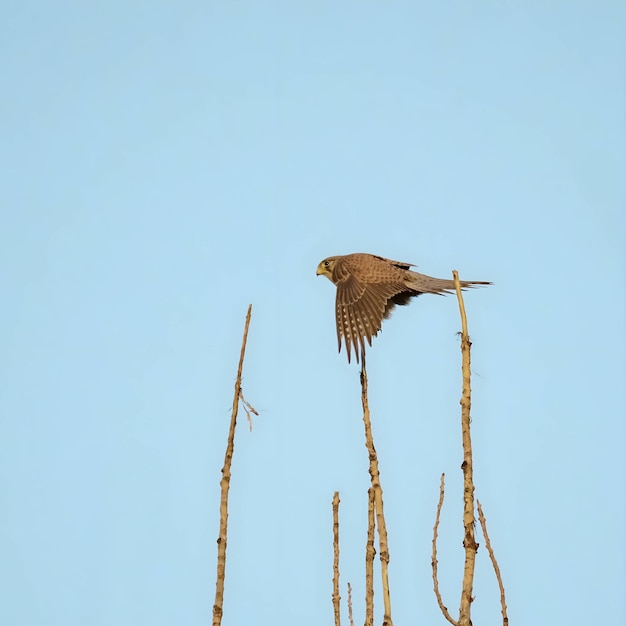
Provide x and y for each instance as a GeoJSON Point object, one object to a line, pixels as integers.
{"type": "Point", "coordinates": [442, 606]}
{"type": "Point", "coordinates": [378, 498]}
{"type": "Point", "coordinates": [469, 541]}
{"type": "Point", "coordinates": [370, 553]}
{"type": "Point", "coordinates": [350, 619]}
{"type": "Point", "coordinates": [496, 568]}
{"type": "Point", "coordinates": [225, 484]}
{"type": "Point", "coordinates": [336, 596]}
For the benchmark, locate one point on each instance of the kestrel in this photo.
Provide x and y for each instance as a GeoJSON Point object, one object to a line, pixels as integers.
{"type": "Point", "coordinates": [368, 288]}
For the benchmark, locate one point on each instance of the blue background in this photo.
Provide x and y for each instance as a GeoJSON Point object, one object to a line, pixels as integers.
{"type": "Point", "coordinates": [163, 165]}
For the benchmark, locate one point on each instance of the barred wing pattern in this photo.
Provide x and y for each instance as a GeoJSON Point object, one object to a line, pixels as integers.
{"type": "Point", "coordinates": [368, 288]}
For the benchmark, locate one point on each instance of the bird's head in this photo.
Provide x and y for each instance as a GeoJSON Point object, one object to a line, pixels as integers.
{"type": "Point", "coordinates": [325, 268]}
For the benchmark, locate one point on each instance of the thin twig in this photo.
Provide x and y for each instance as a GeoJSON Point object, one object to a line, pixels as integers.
{"type": "Point", "coordinates": [336, 596]}
{"type": "Point", "coordinates": [469, 541]}
{"type": "Point", "coordinates": [350, 618]}
{"type": "Point", "coordinates": [442, 606]}
{"type": "Point", "coordinates": [378, 498]}
{"type": "Point", "coordinates": [248, 408]}
{"type": "Point", "coordinates": [370, 553]}
{"type": "Point", "coordinates": [496, 568]}
{"type": "Point", "coordinates": [225, 484]}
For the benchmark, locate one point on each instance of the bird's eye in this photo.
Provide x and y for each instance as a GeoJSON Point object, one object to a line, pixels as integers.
{"type": "Point", "coordinates": [326, 263]}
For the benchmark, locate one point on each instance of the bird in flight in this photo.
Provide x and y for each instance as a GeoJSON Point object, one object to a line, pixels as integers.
{"type": "Point", "coordinates": [368, 288]}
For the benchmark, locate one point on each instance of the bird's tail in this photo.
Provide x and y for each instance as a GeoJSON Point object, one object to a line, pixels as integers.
{"type": "Point", "coordinates": [428, 284]}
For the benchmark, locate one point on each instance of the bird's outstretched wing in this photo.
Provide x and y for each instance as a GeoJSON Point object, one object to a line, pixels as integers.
{"type": "Point", "coordinates": [360, 309]}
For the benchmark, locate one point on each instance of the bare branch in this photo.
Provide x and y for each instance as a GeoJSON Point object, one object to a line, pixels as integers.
{"type": "Point", "coordinates": [370, 553]}
{"type": "Point", "coordinates": [378, 498]}
{"type": "Point", "coordinates": [442, 606]}
{"type": "Point", "coordinates": [225, 484]}
{"type": "Point", "coordinates": [336, 596]}
{"type": "Point", "coordinates": [350, 618]}
{"type": "Point", "coordinates": [469, 541]}
{"type": "Point", "coordinates": [496, 568]}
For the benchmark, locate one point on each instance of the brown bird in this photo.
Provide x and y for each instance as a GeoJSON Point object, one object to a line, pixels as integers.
{"type": "Point", "coordinates": [368, 288]}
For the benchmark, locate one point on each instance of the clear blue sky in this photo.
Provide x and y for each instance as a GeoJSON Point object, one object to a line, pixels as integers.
{"type": "Point", "coordinates": [163, 165]}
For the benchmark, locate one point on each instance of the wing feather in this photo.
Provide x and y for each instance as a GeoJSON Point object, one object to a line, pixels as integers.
{"type": "Point", "coordinates": [360, 309]}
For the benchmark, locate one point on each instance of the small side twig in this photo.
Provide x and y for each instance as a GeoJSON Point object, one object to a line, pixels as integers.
{"type": "Point", "coordinates": [225, 484]}
{"type": "Point", "coordinates": [336, 596]}
{"type": "Point", "coordinates": [442, 606]}
{"type": "Point", "coordinates": [248, 408]}
{"type": "Point", "coordinates": [378, 498]}
{"type": "Point", "coordinates": [496, 568]}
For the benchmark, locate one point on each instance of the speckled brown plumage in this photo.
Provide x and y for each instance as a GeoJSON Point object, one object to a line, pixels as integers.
{"type": "Point", "coordinates": [368, 288]}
